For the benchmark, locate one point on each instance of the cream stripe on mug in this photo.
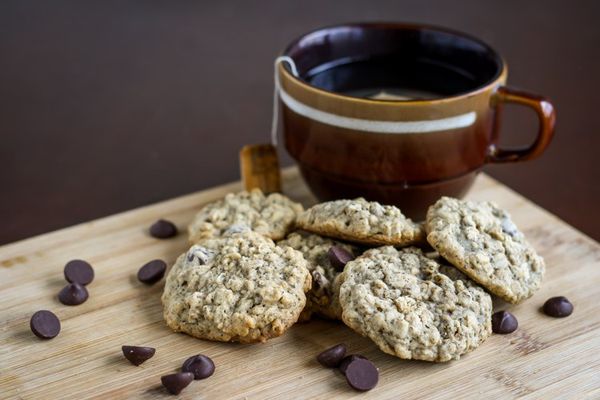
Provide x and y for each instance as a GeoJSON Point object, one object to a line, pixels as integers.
{"type": "Point", "coordinates": [394, 127]}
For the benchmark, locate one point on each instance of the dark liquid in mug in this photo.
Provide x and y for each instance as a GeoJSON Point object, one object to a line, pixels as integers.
{"type": "Point", "coordinates": [392, 78]}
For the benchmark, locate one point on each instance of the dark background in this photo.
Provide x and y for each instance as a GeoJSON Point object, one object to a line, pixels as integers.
{"type": "Point", "coordinates": [110, 105]}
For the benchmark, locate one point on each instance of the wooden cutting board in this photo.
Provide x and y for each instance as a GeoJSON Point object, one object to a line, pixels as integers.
{"type": "Point", "coordinates": [545, 358]}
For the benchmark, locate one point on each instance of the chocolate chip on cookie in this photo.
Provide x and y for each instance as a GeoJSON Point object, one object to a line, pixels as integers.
{"type": "Point", "coordinates": [339, 257]}
{"type": "Point", "coordinates": [331, 357]}
{"type": "Point", "coordinates": [44, 324]}
{"type": "Point", "coordinates": [79, 271]}
{"type": "Point", "coordinates": [138, 354]}
{"type": "Point", "coordinates": [558, 307]}
{"type": "Point", "coordinates": [362, 375]}
{"type": "Point", "coordinates": [152, 272]}
{"type": "Point", "coordinates": [504, 322]}
{"type": "Point", "coordinates": [73, 294]}
{"type": "Point", "coordinates": [200, 365]}
{"type": "Point", "coordinates": [163, 229]}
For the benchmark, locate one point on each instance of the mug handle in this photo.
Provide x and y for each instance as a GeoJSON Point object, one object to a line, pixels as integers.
{"type": "Point", "coordinates": [547, 117]}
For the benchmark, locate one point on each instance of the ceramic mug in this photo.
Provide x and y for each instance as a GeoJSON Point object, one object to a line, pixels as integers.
{"type": "Point", "coordinates": [398, 113]}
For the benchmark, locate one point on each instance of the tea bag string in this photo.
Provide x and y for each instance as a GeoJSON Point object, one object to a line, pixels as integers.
{"type": "Point", "coordinates": [275, 121]}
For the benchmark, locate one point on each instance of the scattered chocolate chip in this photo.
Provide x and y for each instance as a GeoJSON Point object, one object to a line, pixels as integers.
{"type": "Point", "coordinates": [79, 271]}
{"type": "Point", "coordinates": [138, 354]}
{"type": "Point", "coordinates": [332, 357]}
{"type": "Point", "coordinates": [338, 256]}
{"type": "Point", "coordinates": [175, 383]}
{"type": "Point", "coordinates": [163, 229]}
{"type": "Point", "coordinates": [362, 375]}
{"type": "Point", "coordinates": [504, 322]}
{"type": "Point", "coordinates": [558, 307]}
{"type": "Point", "coordinates": [152, 272]}
{"type": "Point", "coordinates": [347, 360]}
{"type": "Point", "coordinates": [199, 365]}
{"type": "Point", "coordinates": [73, 294]}
{"type": "Point", "coordinates": [44, 324]}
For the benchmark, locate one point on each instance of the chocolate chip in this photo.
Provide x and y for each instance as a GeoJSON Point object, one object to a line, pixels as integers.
{"type": "Point", "coordinates": [199, 365]}
{"type": "Point", "coordinates": [79, 271]}
{"type": "Point", "coordinates": [504, 322]}
{"type": "Point", "coordinates": [44, 324]}
{"type": "Point", "coordinates": [558, 307]}
{"type": "Point", "coordinates": [138, 354]}
{"type": "Point", "coordinates": [152, 272]}
{"type": "Point", "coordinates": [332, 357]}
{"type": "Point", "coordinates": [175, 383]}
{"type": "Point", "coordinates": [347, 360]}
{"type": "Point", "coordinates": [338, 256]}
{"type": "Point", "coordinates": [362, 375]}
{"type": "Point", "coordinates": [73, 294]}
{"type": "Point", "coordinates": [163, 229]}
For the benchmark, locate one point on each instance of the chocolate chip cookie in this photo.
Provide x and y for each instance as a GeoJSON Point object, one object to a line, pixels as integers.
{"type": "Point", "coordinates": [272, 216]}
{"type": "Point", "coordinates": [240, 288]}
{"type": "Point", "coordinates": [413, 307]}
{"type": "Point", "coordinates": [481, 240]}
{"type": "Point", "coordinates": [361, 221]}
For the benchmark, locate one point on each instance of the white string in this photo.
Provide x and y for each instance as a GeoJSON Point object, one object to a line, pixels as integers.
{"type": "Point", "coordinates": [275, 121]}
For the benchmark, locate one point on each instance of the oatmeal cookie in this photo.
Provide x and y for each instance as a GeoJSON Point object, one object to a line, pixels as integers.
{"type": "Point", "coordinates": [240, 288]}
{"type": "Point", "coordinates": [481, 240]}
{"type": "Point", "coordinates": [361, 221]}
{"type": "Point", "coordinates": [272, 216]}
{"type": "Point", "coordinates": [413, 307]}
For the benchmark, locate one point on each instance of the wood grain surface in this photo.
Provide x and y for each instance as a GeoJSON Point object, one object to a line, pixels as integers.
{"type": "Point", "coordinates": [545, 358]}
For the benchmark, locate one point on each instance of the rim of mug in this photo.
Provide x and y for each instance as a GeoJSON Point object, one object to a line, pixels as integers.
{"type": "Point", "coordinates": [502, 70]}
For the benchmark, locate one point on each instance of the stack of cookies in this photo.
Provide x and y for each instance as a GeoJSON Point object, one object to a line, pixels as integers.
{"type": "Point", "coordinates": [259, 264]}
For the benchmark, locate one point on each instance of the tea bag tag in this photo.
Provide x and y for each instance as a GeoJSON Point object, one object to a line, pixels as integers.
{"type": "Point", "coordinates": [259, 166]}
{"type": "Point", "coordinates": [275, 122]}
{"type": "Point", "coordinates": [259, 163]}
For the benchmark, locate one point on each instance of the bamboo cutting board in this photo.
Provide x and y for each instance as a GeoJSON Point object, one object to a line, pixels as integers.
{"type": "Point", "coordinates": [545, 358]}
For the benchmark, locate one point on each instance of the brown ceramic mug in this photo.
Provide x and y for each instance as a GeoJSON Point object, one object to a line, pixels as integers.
{"type": "Point", "coordinates": [398, 113]}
